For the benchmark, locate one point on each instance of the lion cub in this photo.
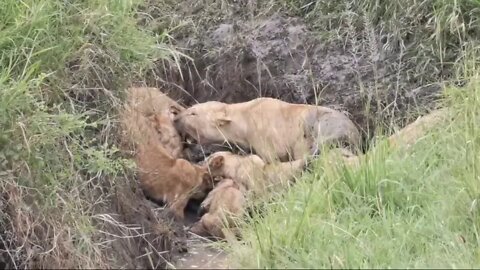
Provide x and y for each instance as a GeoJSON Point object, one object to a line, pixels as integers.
{"type": "Point", "coordinates": [223, 205]}
{"type": "Point", "coordinates": [252, 172]}
{"type": "Point", "coordinates": [163, 177]}
{"type": "Point", "coordinates": [243, 177]}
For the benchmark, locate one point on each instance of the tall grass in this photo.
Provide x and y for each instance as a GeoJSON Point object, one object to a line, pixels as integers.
{"type": "Point", "coordinates": [416, 207]}
{"type": "Point", "coordinates": [63, 67]}
{"type": "Point", "coordinates": [411, 47]}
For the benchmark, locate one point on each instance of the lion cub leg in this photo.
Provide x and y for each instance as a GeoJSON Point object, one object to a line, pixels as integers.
{"type": "Point", "coordinates": [178, 206]}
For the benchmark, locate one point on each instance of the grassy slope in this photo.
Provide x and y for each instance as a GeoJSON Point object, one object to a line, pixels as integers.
{"type": "Point", "coordinates": [413, 208]}
{"type": "Point", "coordinates": [403, 208]}
{"type": "Point", "coordinates": [416, 207]}
{"type": "Point", "coordinates": [62, 65]}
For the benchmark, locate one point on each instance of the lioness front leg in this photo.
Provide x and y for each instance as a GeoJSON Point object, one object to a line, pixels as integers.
{"type": "Point", "coordinates": [301, 149]}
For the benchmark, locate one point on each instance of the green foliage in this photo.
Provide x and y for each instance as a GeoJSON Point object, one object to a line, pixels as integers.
{"type": "Point", "coordinates": [402, 208]}
{"type": "Point", "coordinates": [51, 134]}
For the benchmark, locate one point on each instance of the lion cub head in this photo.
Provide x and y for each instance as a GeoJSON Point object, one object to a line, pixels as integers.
{"type": "Point", "coordinates": [245, 170]}
{"type": "Point", "coordinates": [223, 205]}
{"type": "Point", "coordinates": [204, 183]}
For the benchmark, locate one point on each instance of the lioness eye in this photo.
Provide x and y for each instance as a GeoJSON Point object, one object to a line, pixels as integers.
{"type": "Point", "coordinates": [192, 113]}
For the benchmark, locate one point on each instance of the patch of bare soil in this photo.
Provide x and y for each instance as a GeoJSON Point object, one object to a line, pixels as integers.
{"type": "Point", "coordinates": [201, 255]}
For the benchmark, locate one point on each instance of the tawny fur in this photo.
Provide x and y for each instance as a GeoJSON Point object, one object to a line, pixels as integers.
{"type": "Point", "coordinates": [167, 134]}
{"type": "Point", "coordinates": [162, 177]}
{"type": "Point", "coordinates": [252, 172]}
{"type": "Point", "coordinates": [244, 177]}
{"type": "Point", "coordinates": [161, 110]}
{"type": "Point", "coordinates": [150, 100]}
{"type": "Point", "coordinates": [223, 206]}
{"type": "Point", "coordinates": [415, 130]}
{"type": "Point", "coordinates": [274, 129]}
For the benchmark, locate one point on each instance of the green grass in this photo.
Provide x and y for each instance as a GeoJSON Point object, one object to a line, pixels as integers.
{"type": "Point", "coordinates": [63, 68]}
{"type": "Point", "coordinates": [412, 208]}
{"type": "Point", "coordinates": [416, 207]}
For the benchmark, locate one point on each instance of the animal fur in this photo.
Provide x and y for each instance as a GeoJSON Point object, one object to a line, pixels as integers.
{"type": "Point", "coordinates": [274, 129]}
{"type": "Point", "coordinates": [415, 130]}
{"type": "Point", "coordinates": [162, 176]}
{"type": "Point", "coordinates": [223, 206]}
{"type": "Point", "coordinates": [252, 172]}
{"type": "Point", "coordinates": [161, 110]}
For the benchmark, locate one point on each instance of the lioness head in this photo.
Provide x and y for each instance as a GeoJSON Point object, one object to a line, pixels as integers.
{"type": "Point", "coordinates": [203, 122]}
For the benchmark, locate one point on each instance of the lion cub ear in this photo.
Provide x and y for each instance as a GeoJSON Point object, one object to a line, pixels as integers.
{"type": "Point", "coordinates": [208, 179]}
{"type": "Point", "coordinates": [217, 162]}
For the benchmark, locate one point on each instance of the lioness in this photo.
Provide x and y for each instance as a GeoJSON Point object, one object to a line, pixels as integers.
{"type": "Point", "coordinates": [162, 177]}
{"type": "Point", "coordinates": [223, 205]}
{"type": "Point", "coordinates": [252, 172]}
{"type": "Point", "coordinates": [274, 129]}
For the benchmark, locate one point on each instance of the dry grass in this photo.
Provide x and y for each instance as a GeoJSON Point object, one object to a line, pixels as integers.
{"type": "Point", "coordinates": [69, 200]}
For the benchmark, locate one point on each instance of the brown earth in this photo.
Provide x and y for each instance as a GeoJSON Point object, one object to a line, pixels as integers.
{"type": "Point", "coordinates": [239, 57]}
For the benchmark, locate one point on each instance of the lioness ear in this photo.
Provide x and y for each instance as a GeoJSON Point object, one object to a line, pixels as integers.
{"type": "Point", "coordinates": [217, 162]}
{"type": "Point", "coordinates": [222, 119]}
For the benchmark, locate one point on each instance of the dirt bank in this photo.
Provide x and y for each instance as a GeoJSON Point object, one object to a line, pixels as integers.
{"type": "Point", "coordinates": [237, 56]}
{"type": "Point", "coordinates": [127, 231]}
